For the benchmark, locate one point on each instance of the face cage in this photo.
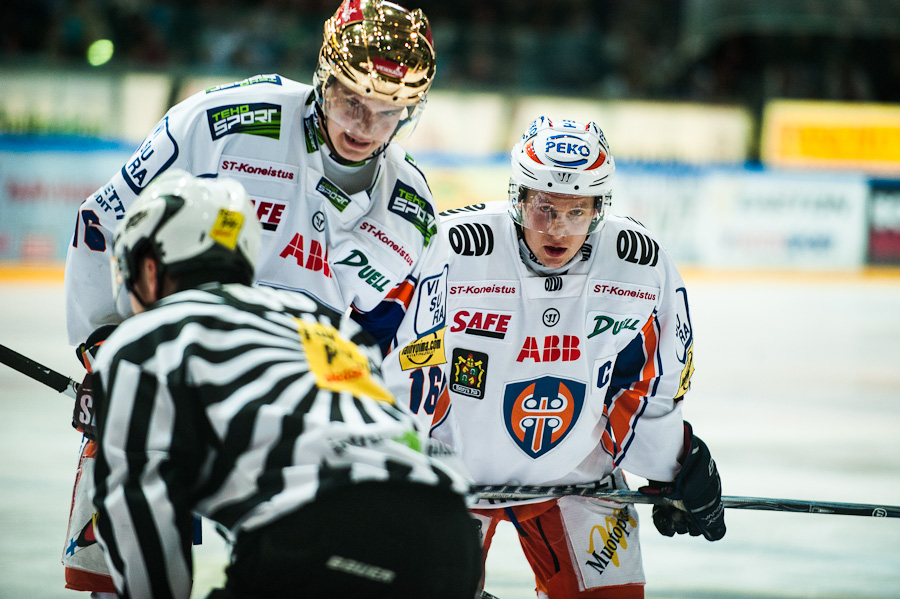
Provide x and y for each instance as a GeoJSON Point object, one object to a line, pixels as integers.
{"type": "Point", "coordinates": [517, 194]}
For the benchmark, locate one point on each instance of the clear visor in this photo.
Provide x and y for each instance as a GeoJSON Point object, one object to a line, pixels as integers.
{"type": "Point", "coordinates": [557, 214]}
{"type": "Point", "coordinates": [362, 118]}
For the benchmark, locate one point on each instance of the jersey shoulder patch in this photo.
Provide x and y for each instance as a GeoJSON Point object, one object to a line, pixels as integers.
{"type": "Point", "coordinates": [634, 244]}
{"type": "Point", "coordinates": [155, 154]}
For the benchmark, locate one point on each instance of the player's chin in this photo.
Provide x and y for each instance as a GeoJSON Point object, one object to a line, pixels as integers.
{"type": "Point", "coordinates": [552, 261]}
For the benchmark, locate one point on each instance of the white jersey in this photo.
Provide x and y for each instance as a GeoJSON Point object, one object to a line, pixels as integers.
{"type": "Point", "coordinates": [561, 379]}
{"type": "Point", "coordinates": [377, 251]}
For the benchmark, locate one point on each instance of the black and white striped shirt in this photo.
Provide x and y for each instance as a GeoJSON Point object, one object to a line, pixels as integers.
{"type": "Point", "coordinates": [239, 404]}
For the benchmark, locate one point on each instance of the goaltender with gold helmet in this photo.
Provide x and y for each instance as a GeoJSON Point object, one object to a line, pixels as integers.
{"type": "Point", "coordinates": [347, 217]}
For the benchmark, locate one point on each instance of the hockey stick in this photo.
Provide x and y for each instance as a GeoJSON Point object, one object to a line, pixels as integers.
{"type": "Point", "coordinates": [61, 384]}
{"type": "Point", "coordinates": [511, 492]}
{"type": "Point", "coordinates": [56, 381]}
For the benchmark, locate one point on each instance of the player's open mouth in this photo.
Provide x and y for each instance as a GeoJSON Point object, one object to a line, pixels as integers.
{"type": "Point", "coordinates": [356, 143]}
{"type": "Point", "coordinates": [554, 251]}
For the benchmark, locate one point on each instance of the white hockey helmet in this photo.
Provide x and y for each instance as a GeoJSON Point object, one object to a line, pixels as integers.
{"type": "Point", "coordinates": [562, 157]}
{"type": "Point", "coordinates": [192, 226]}
{"type": "Point", "coordinates": [379, 50]}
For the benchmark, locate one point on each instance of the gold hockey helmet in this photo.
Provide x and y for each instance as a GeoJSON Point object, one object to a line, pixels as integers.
{"type": "Point", "coordinates": [381, 51]}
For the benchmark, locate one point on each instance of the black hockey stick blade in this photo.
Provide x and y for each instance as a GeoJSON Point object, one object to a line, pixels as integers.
{"type": "Point", "coordinates": [510, 492]}
{"type": "Point", "coordinates": [56, 381]}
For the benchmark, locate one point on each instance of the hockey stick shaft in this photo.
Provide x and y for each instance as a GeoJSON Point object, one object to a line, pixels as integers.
{"type": "Point", "coordinates": [508, 492]}
{"type": "Point", "coordinates": [56, 381]}
{"type": "Point", "coordinates": [65, 385]}
{"type": "Point", "coordinates": [62, 384]}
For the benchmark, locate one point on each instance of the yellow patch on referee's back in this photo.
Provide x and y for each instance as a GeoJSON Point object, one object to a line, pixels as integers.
{"type": "Point", "coordinates": [338, 364]}
{"type": "Point", "coordinates": [227, 227]}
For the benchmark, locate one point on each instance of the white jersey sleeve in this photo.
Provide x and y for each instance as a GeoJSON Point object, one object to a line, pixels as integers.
{"type": "Point", "coordinates": [644, 418]}
{"type": "Point", "coordinates": [88, 283]}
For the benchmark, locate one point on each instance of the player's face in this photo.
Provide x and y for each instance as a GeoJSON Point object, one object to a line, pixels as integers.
{"type": "Point", "coordinates": [556, 225]}
{"type": "Point", "coordinates": [358, 126]}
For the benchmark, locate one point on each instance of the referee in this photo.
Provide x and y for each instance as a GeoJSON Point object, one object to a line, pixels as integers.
{"type": "Point", "coordinates": [266, 413]}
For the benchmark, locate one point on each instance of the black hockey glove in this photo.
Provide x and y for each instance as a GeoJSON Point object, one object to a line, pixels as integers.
{"type": "Point", "coordinates": [83, 418]}
{"type": "Point", "coordinates": [698, 487]}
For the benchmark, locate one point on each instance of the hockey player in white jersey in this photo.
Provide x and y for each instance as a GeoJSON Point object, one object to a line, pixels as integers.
{"type": "Point", "coordinates": [570, 346]}
{"type": "Point", "coordinates": [265, 412]}
{"type": "Point", "coordinates": [347, 216]}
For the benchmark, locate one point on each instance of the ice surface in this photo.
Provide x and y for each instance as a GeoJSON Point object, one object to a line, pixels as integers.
{"type": "Point", "coordinates": [796, 391]}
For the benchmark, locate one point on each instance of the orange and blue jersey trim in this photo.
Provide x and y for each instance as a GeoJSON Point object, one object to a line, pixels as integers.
{"type": "Point", "coordinates": [383, 321]}
{"type": "Point", "coordinates": [402, 292]}
{"type": "Point", "coordinates": [635, 378]}
{"type": "Point", "coordinates": [441, 409]}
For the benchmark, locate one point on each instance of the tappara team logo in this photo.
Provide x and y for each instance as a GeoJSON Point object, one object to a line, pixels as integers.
{"type": "Point", "coordinates": [539, 413]}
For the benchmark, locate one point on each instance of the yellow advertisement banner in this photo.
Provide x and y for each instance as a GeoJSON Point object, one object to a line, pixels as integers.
{"type": "Point", "coordinates": [831, 134]}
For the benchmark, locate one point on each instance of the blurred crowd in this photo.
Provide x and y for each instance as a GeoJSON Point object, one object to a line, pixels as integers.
{"type": "Point", "coordinates": [610, 48]}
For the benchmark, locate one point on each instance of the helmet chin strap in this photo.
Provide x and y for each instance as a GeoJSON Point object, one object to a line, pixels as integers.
{"type": "Point", "coordinates": [132, 288]}
{"type": "Point", "coordinates": [140, 300]}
